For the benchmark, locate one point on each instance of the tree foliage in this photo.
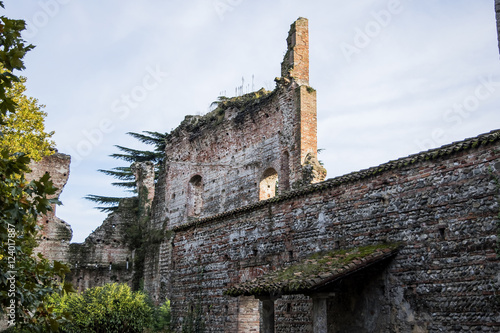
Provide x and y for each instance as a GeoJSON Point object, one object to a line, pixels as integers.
{"type": "Point", "coordinates": [12, 51]}
{"type": "Point", "coordinates": [121, 173]}
{"type": "Point", "coordinates": [124, 174]}
{"type": "Point", "coordinates": [108, 204]}
{"type": "Point", "coordinates": [110, 308]}
{"type": "Point", "coordinates": [134, 155]}
{"type": "Point", "coordinates": [24, 130]}
{"type": "Point", "coordinates": [155, 139]}
{"type": "Point", "coordinates": [26, 280]}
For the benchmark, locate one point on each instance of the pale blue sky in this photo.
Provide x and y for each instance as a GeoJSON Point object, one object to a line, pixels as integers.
{"type": "Point", "coordinates": [394, 77]}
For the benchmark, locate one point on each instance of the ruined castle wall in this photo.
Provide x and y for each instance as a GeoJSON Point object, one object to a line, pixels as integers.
{"type": "Point", "coordinates": [105, 256]}
{"type": "Point", "coordinates": [215, 163]}
{"type": "Point", "coordinates": [441, 206]}
{"type": "Point", "coordinates": [231, 154]}
{"type": "Point", "coordinates": [55, 233]}
{"type": "Point", "coordinates": [230, 151]}
{"type": "Point", "coordinates": [108, 254]}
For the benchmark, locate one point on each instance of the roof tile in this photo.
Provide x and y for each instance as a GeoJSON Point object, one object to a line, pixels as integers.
{"type": "Point", "coordinates": [315, 272]}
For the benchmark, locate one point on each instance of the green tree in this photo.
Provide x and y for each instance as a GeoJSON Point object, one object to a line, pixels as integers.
{"type": "Point", "coordinates": [124, 174]}
{"type": "Point", "coordinates": [12, 51]}
{"type": "Point", "coordinates": [162, 317]}
{"type": "Point", "coordinates": [23, 131]}
{"type": "Point", "coordinates": [138, 237]}
{"type": "Point", "coordinates": [110, 308]}
{"type": "Point", "coordinates": [26, 280]}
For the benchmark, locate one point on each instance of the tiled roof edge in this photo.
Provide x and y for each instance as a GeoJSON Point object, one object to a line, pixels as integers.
{"type": "Point", "coordinates": [310, 284]}
{"type": "Point", "coordinates": [432, 154]}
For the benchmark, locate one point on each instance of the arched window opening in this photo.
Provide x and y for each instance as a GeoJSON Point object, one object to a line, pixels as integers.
{"type": "Point", "coordinates": [195, 196]}
{"type": "Point", "coordinates": [268, 184]}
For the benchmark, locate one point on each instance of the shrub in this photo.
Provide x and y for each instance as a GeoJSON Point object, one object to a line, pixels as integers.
{"type": "Point", "coordinates": [111, 308]}
{"type": "Point", "coordinates": [161, 318]}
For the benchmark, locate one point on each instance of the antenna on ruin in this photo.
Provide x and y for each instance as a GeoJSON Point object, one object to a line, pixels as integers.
{"type": "Point", "coordinates": [241, 90]}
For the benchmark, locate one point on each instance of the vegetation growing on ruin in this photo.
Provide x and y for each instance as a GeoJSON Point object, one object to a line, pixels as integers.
{"type": "Point", "coordinates": [316, 268]}
{"type": "Point", "coordinates": [311, 169]}
{"type": "Point", "coordinates": [310, 89]}
{"type": "Point", "coordinates": [140, 237]}
{"type": "Point", "coordinates": [243, 101]}
{"type": "Point", "coordinates": [194, 322]}
{"type": "Point", "coordinates": [321, 262]}
{"type": "Point", "coordinates": [137, 234]}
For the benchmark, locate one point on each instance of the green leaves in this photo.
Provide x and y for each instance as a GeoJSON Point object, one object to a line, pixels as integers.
{"type": "Point", "coordinates": [26, 280]}
{"type": "Point", "coordinates": [24, 129]}
{"type": "Point", "coordinates": [110, 308]}
{"type": "Point", "coordinates": [133, 155]}
{"type": "Point", "coordinates": [13, 47]}
{"type": "Point", "coordinates": [35, 278]}
{"type": "Point", "coordinates": [110, 203]}
{"type": "Point", "coordinates": [124, 173]}
{"type": "Point", "coordinates": [156, 139]}
{"type": "Point", "coordinates": [12, 51]}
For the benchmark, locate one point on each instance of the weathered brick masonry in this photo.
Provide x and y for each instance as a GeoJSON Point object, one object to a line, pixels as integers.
{"type": "Point", "coordinates": [249, 148]}
{"type": "Point", "coordinates": [442, 206]}
{"type": "Point", "coordinates": [223, 156]}
{"type": "Point", "coordinates": [105, 256]}
{"type": "Point", "coordinates": [55, 234]}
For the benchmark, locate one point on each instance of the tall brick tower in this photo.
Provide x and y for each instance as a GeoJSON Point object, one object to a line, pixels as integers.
{"type": "Point", "coordinates": [295, 68]}
{"type": "Point", "coordinates": [295, 64]}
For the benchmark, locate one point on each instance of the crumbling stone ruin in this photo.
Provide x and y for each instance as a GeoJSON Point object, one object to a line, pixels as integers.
{"type": "Point", "coordinates": [243, 234]}
{"type": "Point", "coordinates": [55, 234]}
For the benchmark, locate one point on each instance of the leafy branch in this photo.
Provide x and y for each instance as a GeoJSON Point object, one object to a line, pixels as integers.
{"type": "Point", "coordinates": [125, 174]}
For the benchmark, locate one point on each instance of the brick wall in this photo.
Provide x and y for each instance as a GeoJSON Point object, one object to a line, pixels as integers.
{"type": "Point", "coordinates": [219, 162]}
{"type": "Point", "coordinates": [231, 148]}
{"type": "Point", "coordinates": [296, 61]}
{"type": "Point", "coordinates": [231, 154]}
{"type": "Point", "coordinates": [105, 255]}
{"type": "Point", "coordinates": [443, 209]}
{"type": "Point", "coordinates": [108, 254]}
